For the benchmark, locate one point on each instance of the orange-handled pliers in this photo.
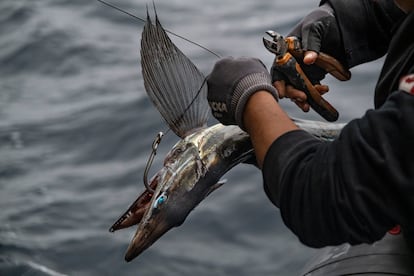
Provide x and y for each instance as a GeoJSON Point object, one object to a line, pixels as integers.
{"type": "Point", "coordinates": [288, 51]}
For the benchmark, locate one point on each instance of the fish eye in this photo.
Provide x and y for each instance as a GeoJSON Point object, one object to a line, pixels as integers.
{"type": "Point", "coordinates": [160, 200]}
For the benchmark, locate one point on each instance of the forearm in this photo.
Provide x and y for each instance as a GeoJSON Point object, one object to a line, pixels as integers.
{"type": "Point", "coordinates": [352, 189]}
{"type": "Point", "coordinates": [265, 121]}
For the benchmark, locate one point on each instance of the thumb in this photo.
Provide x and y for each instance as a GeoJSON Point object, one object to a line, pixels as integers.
{"type": "Point", "coordinates": [310, 57]}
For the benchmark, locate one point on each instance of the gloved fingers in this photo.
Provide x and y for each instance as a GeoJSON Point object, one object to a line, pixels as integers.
{"type": "Point", "coordinates": [312, 35]}
{"type": "Point", "coordinates": [276, 75]}
{"type": "Point", "coordinates": [315, 26]}
{"type": "Point", "coordinates": [231, 83]}
{"type": "Point", "coordinates": [248, 64]}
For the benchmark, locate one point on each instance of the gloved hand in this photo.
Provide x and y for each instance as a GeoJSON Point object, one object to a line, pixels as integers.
{"type": "Point", "coordinates": [230, 85]}
{"type": "Point", "coordinates": [318, 32]}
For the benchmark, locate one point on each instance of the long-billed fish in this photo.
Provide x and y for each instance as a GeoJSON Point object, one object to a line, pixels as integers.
{"type": "Point", "coordinates": [194, 166]}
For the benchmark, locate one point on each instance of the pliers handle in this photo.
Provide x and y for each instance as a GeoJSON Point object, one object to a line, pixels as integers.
{"type": "Point", "coordinates": [288, 51]}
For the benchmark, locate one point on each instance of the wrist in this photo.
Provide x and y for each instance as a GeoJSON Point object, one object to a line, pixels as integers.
{"type": "Point", "coordinates": [248, 86]}
{"type": "Point", "coordinates": [265, 121]}
{"type": "Point", "coordinates": [261, 110]}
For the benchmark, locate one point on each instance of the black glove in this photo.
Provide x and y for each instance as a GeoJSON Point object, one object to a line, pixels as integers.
{"type": "Point", "coordinates": [318, 32]}
{"type": "Point", "coordinates": [230, 85]}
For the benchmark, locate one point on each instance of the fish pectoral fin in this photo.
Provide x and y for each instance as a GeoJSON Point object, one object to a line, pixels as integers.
{"type": "Point", "coordinates": [216, 186]}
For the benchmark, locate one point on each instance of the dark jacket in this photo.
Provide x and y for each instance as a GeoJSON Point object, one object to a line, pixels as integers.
{"type": "Point", "coordinates": [357, 187]}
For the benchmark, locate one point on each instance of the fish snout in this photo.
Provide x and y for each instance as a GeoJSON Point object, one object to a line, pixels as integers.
{"type": "Point", "coordinates": [145, 237]}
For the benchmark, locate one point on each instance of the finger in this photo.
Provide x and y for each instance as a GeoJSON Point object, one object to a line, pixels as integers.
{"type": "Point", "coordinates": [298, 97]}
{"type": "Point", "coordinates": [302, 105]}
{"type": "Point", "coordinates": [322, 89]}
{"type": "Point", "coordinates": [310, 57]}
{"type": "Point", "coordinates": [281, 88]}
{"type": "Point", "coordinates": [293, 93]}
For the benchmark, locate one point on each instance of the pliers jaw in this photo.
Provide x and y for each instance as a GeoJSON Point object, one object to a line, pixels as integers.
{"type": "Point", "coordinates": [277, 45]}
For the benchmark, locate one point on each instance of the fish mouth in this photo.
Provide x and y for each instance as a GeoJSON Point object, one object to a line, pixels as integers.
{"type": "Point", "coordinates": [134, 214]}
{"type": "Point", "coordinates": [151, 226]}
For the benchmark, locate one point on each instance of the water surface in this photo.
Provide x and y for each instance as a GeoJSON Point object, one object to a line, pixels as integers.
{"type": "Point", "coordinates": [76, 129]}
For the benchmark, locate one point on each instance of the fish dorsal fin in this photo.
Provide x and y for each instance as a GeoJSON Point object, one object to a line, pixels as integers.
{"type": "Point", "coordinates": [173, 83]}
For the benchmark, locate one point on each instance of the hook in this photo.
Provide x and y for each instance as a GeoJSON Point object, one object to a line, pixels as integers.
{"type": "Point", "coordinates": [155, 144]}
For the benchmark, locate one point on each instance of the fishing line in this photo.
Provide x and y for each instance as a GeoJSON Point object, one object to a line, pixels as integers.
{"type": "Point", "coordinates": [160, 135]}
{"type": "Point", "coordinates": [158, 138]}
{"type": "Point", "coordinates": [174, 34]}
{"type": "Point", "coordinates": [191, 103]}
{"type": "Point", "coordinates": [177, 35]}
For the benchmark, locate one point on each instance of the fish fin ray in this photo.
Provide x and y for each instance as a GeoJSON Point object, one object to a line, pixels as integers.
{"type": "Point", "coordinates": [173, 83]}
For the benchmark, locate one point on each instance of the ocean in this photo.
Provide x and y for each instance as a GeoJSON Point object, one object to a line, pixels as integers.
{"type": "Point", "coordinates": [76, 129]}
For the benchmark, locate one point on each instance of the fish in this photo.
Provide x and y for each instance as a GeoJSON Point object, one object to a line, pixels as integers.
{"type": "Point", "coordinates": [192, 170]}
{"type": "Point", "coordinates": [195, 165]}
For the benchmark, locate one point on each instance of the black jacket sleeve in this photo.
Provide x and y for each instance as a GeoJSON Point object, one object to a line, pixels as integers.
{"type": "Point", "coordinates": [366, 27]}
{"type": "Point", "coordinates": [352, 189]}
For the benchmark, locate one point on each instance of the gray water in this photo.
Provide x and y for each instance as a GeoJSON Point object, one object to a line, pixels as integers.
{"type": "Point", "coordinates": [76, 129]}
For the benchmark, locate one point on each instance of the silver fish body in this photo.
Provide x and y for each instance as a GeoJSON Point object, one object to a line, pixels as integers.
{"type": "Point", "coordinates": [192, 170]}
{"type": "Point", "coordinates": [194, 166]}
{"type": "Point", "coordinates": [321, 130]}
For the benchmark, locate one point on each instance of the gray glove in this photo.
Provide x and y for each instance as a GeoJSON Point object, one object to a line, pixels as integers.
{"type": "Point", "coordinates": [319, 32]}
{"type": "Point", "coordinates": [230, 85]}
